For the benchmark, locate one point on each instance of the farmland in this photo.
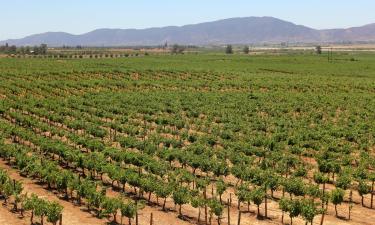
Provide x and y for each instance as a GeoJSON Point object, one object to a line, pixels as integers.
{"type": "Point", "coordinates": [189, 139]}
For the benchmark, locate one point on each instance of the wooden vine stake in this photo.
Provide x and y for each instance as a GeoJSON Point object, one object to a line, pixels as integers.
{"type": "Point", "coordinates": [228, 205]}
{"type": "Point", "coordinates": [239, 217]}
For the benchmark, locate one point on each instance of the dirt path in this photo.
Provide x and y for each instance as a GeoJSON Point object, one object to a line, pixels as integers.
{"type": "Point", "coordinates": [9, 218]}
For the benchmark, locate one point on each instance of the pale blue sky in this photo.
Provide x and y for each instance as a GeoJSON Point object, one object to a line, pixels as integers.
{"type": "Point", "coordinates": [19, 18]}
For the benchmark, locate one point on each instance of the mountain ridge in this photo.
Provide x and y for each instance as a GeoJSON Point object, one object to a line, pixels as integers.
{"type": "Point", "coordinates": [240, 30]}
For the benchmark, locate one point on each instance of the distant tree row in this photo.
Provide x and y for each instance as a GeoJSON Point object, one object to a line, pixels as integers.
{"type": "Point", "coordinates": [36, 50]}
{"type": "Point", "coordinates": [71, 47]}
{"type": "Point", "coordinates": [8, 49]}
{"type": "Point", "coordinates": [229, 49]}
{"type": "Point", "coordinates": [177, 49]}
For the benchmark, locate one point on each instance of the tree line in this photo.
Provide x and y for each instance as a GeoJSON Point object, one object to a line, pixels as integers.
{"type": "Point", "coordinates": [229, 49]}
{"type": "Point", "coordinates": [12, 49]}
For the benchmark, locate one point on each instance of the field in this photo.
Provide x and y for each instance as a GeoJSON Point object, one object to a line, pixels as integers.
{"type": "Point", "coordinates": [185, 139]}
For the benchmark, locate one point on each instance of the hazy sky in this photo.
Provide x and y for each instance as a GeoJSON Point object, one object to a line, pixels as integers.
{"type": "Point", "coordinates": [19, 18]}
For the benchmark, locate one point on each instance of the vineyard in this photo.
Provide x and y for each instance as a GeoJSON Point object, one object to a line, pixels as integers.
{"type": "Point", "coordinates": [188, 139]}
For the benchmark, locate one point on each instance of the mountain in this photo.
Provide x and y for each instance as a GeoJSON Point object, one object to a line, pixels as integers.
{"type": "Point", "coordinates": [229, 31]}
{"type": "Point", "coordinates": [355, 34]}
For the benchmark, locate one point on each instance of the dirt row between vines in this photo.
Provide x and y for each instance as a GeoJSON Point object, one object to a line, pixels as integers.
{"type": "Point", "coordinates": [75, 215]}
{"type": "Point", "coordinates": [78, 215]}
{"type": "Point", "coordinates": [274, 211]}
{"type": "Point", "coordinates": [250, 218]}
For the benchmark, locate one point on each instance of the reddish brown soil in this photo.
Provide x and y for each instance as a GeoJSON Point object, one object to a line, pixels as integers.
{"type": "Point", "coordinates": [9, 218]}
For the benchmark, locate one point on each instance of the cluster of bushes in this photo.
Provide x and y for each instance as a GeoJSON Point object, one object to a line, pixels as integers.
{"type": "Point", "coordinates": [12, 189]}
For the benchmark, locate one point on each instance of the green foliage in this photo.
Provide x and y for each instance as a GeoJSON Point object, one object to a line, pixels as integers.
{"type": "Point", "coordinates": [54, 210]}
{"type": "Point", "coordinates": [128, 209]}
{"type": "Point", "coordinates": [295, 208]}
{"type": "Point", "coordinates": [31, 202]}
{"type": "Point", "coordinates": [246, 50]}
{"type": "Point", "coordinates": [363, 188]}
{"type": "Point", "coordinates": [216, 207]}
{"type": "Point", "coordinates": [320, 178]}
{"type": "Point", "coordinates": [221, 186]}
{"type": "Point", "coordinates": [163, 191]}
{"type": "Point", "coordinates": [295, 186]}
{"type": "Point", "coordinates": [181, 196]}
{"type": "Point", "coordinates": [229, 49]}
{"type": "Point", "coordinates": [257, 196]}
{"type": "Point", "coordinates": [309, 209]}
{"type": "Point", "coordinates": [284, 204]}
{"type": "Point", "coordinates": [344, 181]}
{"type": "Point", "coordinates": [197, 201]}
{"type": "Point", "coordinates": [337, 196]}
{"type": "Point", "coordinates": [110, 206]}
{"type": "Point", "coordinates": [243, 193]}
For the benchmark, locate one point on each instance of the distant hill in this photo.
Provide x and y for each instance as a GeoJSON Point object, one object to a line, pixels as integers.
{"type": "Point", "coordinates": [229, 31]}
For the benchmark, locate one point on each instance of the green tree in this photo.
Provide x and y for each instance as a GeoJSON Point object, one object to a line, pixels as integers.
{"type": "Point", "coordinates": [181, 196]}
{"type": "Point", "coordinates": [294, 210]}
{"type": "Point", "coordinates": [337, 197]}
{"type": "Point", "coordinates": [246, 50]}
{"type": "Point", "coordinates": [43, 49]}
{"type": "Point", "coordinates": [257, 196]}
{"type": "Point", "coordinates": [344, 181]}
{"type": "Point", "coordinates": [41, 209]}
{"type": "Point", "coordinates": [96, 199]}
{"type": "Point", "coordinates": [17, 189]}
{"type": "Point", "coordinates": [62, 181]}
{"type": "Point", "coordinates": [216, 208]}
{"type": "Point", "coordinates": [295, 186]}
{"type": "Point", "coordinates": [243, 195]}
{"type": "Point", "coordinates": [309, 210]}
{"type": "Point", "coordinates": [320, 178]}
{"type": "Point", "coordinates": [284, 205]}
{"type": "Point", "coordinates": [163, 191]}
{"type": "Point", "coordinates": [198, 202]}
{"type": "Point", "coordinates": [54, 211]}
{"type": "Point", "coordinates": [221, 186]}
{"type": "Point", "coordinates": [363, 189]}
{"type": "Point", "coordinates": [7, 190]}
{"type": "Point", "coordinates": [30, 203]}
{"type": "Point", "coordinates": [229, 49]}
{"type": "Point", "coordinates": [128, 210]}
{"type": "Point", "coordinates": [111, 206]}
